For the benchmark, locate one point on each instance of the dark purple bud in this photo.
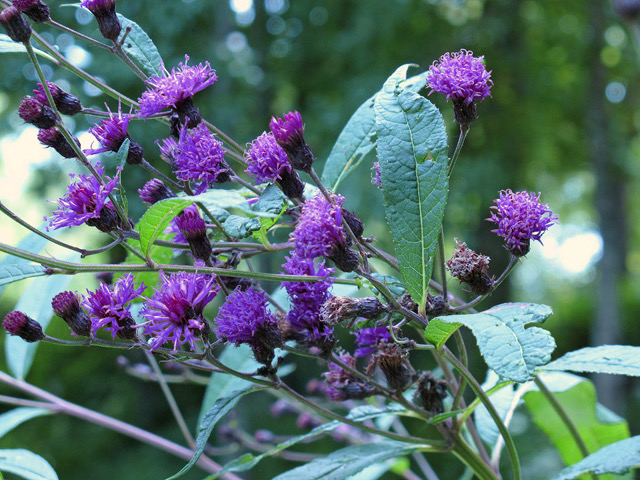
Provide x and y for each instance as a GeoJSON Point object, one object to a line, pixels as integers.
{"type": "Point", "coordinates": [354, 222]}
{"type": "Point", "coordinates": [53, 138]}
{"type": "Point", "coordinates": [17, 323]}
{"type": "Point", "coordinates": [107, 221]}
{"type": "Point", "coordinates": [36, 113]}
{"type": "Point", "coordinates": [345, 258]}
{"type": "Point", "coordinates": [435, 305]}
{"type": "Point", "coordinates": [66, 103]}
{"type": "Point", "coordinates": [339, 309]}
{"type": "Point", "coordinates": [15, 24]}
{"type": "Point", "coordinates": [154, 191]}
{"type": "Point", "coordinates": [430, 393]}
{"type": "Point", "coordinates": [392, 359]}
{"type": "Point", "coordinates": [471, 268]}
{"type": "Point", "coordinates": [291, 185]}
{"type": "Point", "coordinates": [193, 228]}
{"type": "Point", "coordinates": [105, 13]}
{"type": "Point", "coordinates": [36, 10]}
{"type": "Point", "coordinates": [628, 9]}
{"type": "Point", "coordinates": [289, 133]}
{"type": "Point", "coordinates": [66, 305]}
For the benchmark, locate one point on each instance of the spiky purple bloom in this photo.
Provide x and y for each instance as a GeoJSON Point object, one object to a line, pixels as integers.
{"type": "Point", "coordinates": [25, 327]}
{"type": "Point", "coordinates": [319, 229]}
{"type": "Point", "coordinates": [105, 13]}
{"type": "Point", "coordinates": [36, 10]}
{"type": "Point", "coordinates": [368, 339]}
{"type": "Point", "coordinates": [66, 103]}
{"type": "Point", "coordinates": [307, 298]}
{"type": "Point", "coordinates": [54, 138]}
{"type": "Point", "coordinates": [15, 24]}
{"type": "Point", "coordinates": [174, 313]}
{"type": "Point", "coordinates": [245, 318]}
{"type": "Point", "coordinates": [111, 134]}
{"type": "Point", "coordinates": [197, 157]}
{"type": "Point", "coordinates": [289, 133]}
{"type": "Point", "coordinates": [194, 230]}
{"type": "Point", "coordinates": [108, 308]}
{"type": "Point", "coordinates": [87, 201]}
{"type": "Point", "coordinates": [35, 113]}
{"type": "Point", "coordinates": [175, 90]}
{"type": "Point", "coordinates": [521, 218]}
{"type": "Point", "coordinates": [154, 191]}
{"type": "Point", "coordinates": [376, 178]}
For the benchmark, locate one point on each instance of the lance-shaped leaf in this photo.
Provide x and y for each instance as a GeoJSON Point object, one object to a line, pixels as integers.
{"type": "Point", "coordinates": [14, 272]}
{"type": "Point", "coordinates": [412, 151]}
{"type": "Point", "coordinates": [26, 464]}
{"type": "Point", "coordinates": [507, 339]}
{"type": "Point", "coordinates": [11, 419]}
{"type": "Point", "coordinates": [156, 219]}
{"type": "Point", "coordinates": [616, 359]}
{"type": "Point", "coordinates": [616, 458]}
{"type": "Point", "coordinates": [140, 47]}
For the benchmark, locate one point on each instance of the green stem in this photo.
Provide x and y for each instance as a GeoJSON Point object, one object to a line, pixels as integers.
{"type": "Point", "coordinates": [564, 416]}
{"type": "Point", "coordinates": [473, 461]}
{"type": "Point", "coordinates": [443, 271]}
{"type": "Point", "coordinates": [464, 131]}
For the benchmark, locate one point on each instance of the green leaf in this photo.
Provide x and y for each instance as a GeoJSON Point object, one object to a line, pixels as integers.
{"type": "Point", "coordinates": [349, 461]}
{"type": "Point", "coordinates": [227, 199]}
{"type": "Point", "coordinates": [507, 339]}
{"type": "Point", "coordinates": [14, 272]}
{"type": "Point", "coordinates": [156, 219]}
{"type": "Point", "coordinates": [31, 243]}
{"type": "Point", "coordinates": [11, 419]}
{"type": "Point", "coordinates": [438, 332]}
{"type": "Point", "coordinates": [220, 408]}
{"type": "Point", "coordinates": [616, 458]}
{"type": "Point", "coordinates": [412, 151]}
{"type": "Point", "coordinates": [616, 359]}
{"type": "Point", "coordinates": [579, 401]}
{"type": "Point", "coordinates": [357, 139]}
{"type": "Point", "coordinates": [36, 303]}
{"type": "Point", "coordinates": [140, 47]}
{"type": "Point", "coordinates": [9, 46]}
{"type": "Point", "coordinates": [240, 227]}
{"type": "Point", "coordinates": [121, 160]}
{"type": "Point", "coordinates": [26, 465]}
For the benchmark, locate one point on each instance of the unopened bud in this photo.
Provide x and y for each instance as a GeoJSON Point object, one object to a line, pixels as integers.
{"type": "Point", "coordinates": [36, 10]}
{"type": "Point", "coordinates": [15, 24]}
{"type": "Point", "coordinates": [289, 134]}
{"type": "Point", "coordinates": [66, 305]}
{"type": "Point", "coordinates": [19, 324]}
{"type": "Point", "coordinates": [105, 13]}
{"type": "Point", "coordinates": [53, 138]}
{"type": "Point", "coordinates": [36, 113]}
{"type": "Point", "coordinates": [66, 103]}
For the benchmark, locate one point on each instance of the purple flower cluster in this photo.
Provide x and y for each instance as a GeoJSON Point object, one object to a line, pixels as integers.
{"type": "Point", "coordinates": [319, 230]}
{"type": "Point", "coordinates": [85, 201]}
{"type": "Point", "coordinates": [197, 157]}
{"type": "Point", "coordinates": [174, 313]}
{"type": "Point", "coordinates": [172, 90]}
{"type": "Point", "coordinates": [266, 159]}
{"type": "Point", "coordinates": [460, 76]}
{"type": "Point", "coordinates": [521, 218]}
{"type": "Point", "coordinates": [108, 308]}
{"type": "Point", "coordinates": [307, 299]}
{"type": "Point", "coordinates": [111, 133]}
{"type": "Point", "coordinates": [368, 339]}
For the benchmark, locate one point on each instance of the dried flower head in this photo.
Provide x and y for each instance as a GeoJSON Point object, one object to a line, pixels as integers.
{"type": "Point", "coordinates": [339, 309]}
{"type": "Point", "coordinates": [521, 218]}
{"type": "Point", "coordinates": [342, 384]}
{"type": "Point", "coordinates": [430, 393]}
{"type": "Point", "coordinates": [471, 268]}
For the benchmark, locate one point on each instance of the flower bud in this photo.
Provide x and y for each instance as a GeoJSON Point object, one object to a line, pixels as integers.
{"type": "Point", "coordinates": [66, 103]}
{"type": "Point", "coordinates": [338, 309]}
{"type": "Point", "coordinates": [36, 113]}
{"type": "Point", "coordinates": [430, 393]}
{"type": "Point", "coordinates": [36, 10]}
{"type": "Point", "coordinates": [345, 258]}
{"type": "Point", "coordinates": [17, 323]}
{"type": "Point", "coordinates": [471, 268]}
{"type": "Point", "coordinates": [193, 228]}
{"type": "Point", "coordinates": [66, 305]}
{"type": "Point", "coordinates": [354, 222]}
{"type": "Point", "coordinates": [53, 138]}
{"type": "Point", "coordinates": [628, 9]}
{"type": "Point", "coordinates": [15, 24]}
{"type": "Point", "coordinates": [154, 191]}
{"type": "Point", "coordinates": [289, 133]}
{"type": "Point", "coordinates": [105, 13]}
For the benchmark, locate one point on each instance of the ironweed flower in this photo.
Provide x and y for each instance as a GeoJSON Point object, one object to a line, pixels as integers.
{"type": "Point", "coordinates": [154, 191]}
{"type": "Point", "coordinates": [36, 10]}
{"type": "Point", "coordinates": [245, 318]}
{"type": "Point", "coordinates": [53, 138]}
{"type": "Point", "coordinates": [471, 268]}
{"type": "Point", "coordinates": [194, 230]}
{"type": "Point", "coordinates": [289, 133]}
{"type": "Point", "coordinates": [105, 13]}
{"type": "Point", "coordinates": [463, 79]}
{"type": "Point", "coordinates": [23, 326]}
{"type": "Point", "coordinates": [87, 202]}
{"type": "Point", "coordinates": [175, 90]}
{"type": "Point", "coordinates": [66, 305]}
{"type": "Point", "coordinates": [35, 113]}
{"type": "Point", "coordinates": [268, 162]}
{"type": "Point", "coordinates": [111, 133]}
{"type": "Point", "coordinates": [15, 24]}
{"type": "Point", "coordinates": [521, 218]}
{"type": "Point", "coordinates": [342, 384]}
{"type": "Point", "coordinates": [368, 339]}
{"type": "Point", "coordinates": [107, 307]}
{"type": "Point", "coordinates": [66, 103]}
{"type": "Point", "coordinates": [197, 157]}
{"type": "Point", "coordinates": [174, 313]}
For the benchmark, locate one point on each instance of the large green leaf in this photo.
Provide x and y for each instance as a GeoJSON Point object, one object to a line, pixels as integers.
{"type": "Point", "coordinates": [616, 458]}
{"type": "Point", "coordinates": [31, 243]}
{"type": "Point", "coordinates": [26, 464]}
{"type": "Point", "coordinates": [220, 408]}
{"type": "Point", "coordinates": [348, 461]}
{"type": "Point", "coordinates": [11, 419]}
{"type": "Point", "coordinates": [507, 339]}
{"type": "Point", "coordinates": [597, 426]}
{"type": "Point", "coordinates": [36, 303]}
{"type": "Point", "coordinates": [156, 219]}
{"type": "Point", "coordinates": [9, 46]}
{"type": "Point", "coordinates": [412, 151]}
{"type": "Point", "coordinates": [438, 332]}
{"type": "Point", "coordinates": [140, 47]}
{"type": "Point", "coordinates": [14, 272]}
{"type": "Point", "coordinates": [617, 359]}
{"type": "Point", "coordinates": [357, 139]}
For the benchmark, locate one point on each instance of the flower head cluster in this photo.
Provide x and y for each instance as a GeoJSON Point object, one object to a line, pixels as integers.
{"type": "Point", "coordinates": [244, 318]}
{"type": "Point", "coordinates": [86, 201]}
{"type": "Point", "coordinates": [521, 218]}
{"type": "Point", "coordinates": [111, 133]}
{"type": "Point", "coordinates": [108, 308]}
{"type": "Point", "coordinates": [319, 230]}
{"type": "Point", "coordinates": [173, 90]}
{"type": "Point", "coordinates": [307, 298]}
{"type": "Point", "coordinates": [368, 339]}
{"type": "Point", "coordinates": [266, 159]}
{"type": "Point", "coordinates": [174, 313]}
{"type": "Point", "coordinates": [197, 157]}
{"type": "Point", "coordinates": [460, 76]}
